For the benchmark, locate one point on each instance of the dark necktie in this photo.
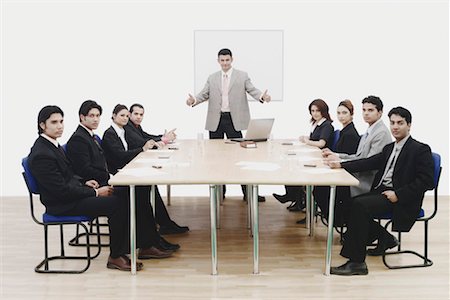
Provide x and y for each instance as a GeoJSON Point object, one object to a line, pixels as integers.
{"type": "Point", "coordinates": [61, 150]}
{"type": "Point", "coordinates": [94, 137]}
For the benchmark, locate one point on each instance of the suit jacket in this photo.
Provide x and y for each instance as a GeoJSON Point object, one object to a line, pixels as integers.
{"type": "Point", "coordinates": [139, 131]}
{"type": "Point", "coordinates": [87, 157]}
{"type": "Point", "coordinates": [59, 188]}
{"type": "Point", "coordinates": [413, 175]}
{"type": "Point", "coordinates": [238, 88]}
{"type": "Point", "coordinates": [324, 132]}
{"type": "Point", "coordinates": [348, 140]}
{"type": "Point", "coordinates": [116, 155]}
{"type": "Point", "coordinates": [367, 147]}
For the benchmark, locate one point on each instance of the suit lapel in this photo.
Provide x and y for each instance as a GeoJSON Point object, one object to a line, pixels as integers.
{"type": "Point", "coordinates": [402, 156]}
{"type": "Point", "coordinates": [232, 80]}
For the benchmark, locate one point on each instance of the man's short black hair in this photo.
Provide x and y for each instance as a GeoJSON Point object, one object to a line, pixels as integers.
{"type": "Point", "coordinates": [45, 113]}
{"type": "Point", "coordinates": [375, 101]}
{"type": "Point", "coordinates": [135, 105]}
{"type": "Point", "coordinates": [225, 51]}
{"type": "Point", "coordinates": [86, 107]}
{"type": "Point", "coordinates": [402, 112]}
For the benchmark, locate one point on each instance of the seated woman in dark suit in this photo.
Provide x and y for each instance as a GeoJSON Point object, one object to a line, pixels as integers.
{"type": "Point", "coordinates": [321, 136]}
{"type": "Point", "coordinates": [347, 143]}
{"type": "Point", "coordinates": [120, 148]}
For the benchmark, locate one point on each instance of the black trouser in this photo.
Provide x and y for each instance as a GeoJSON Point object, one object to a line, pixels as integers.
{"type": "Point", "coordinates": [117, 209]}
{"type": "Point", "coordinates": [226, 127]}
{"type": "Point", "coordinates": [361, 227]}
{"type": "Point", "coordinates": [294, 192]}
{"type": "Point", "coordinates": [162, 216]}
{"type": "Point", "coordinates": [342, 204]}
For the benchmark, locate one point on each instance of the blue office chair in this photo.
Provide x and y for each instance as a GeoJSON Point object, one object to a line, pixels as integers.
{"type": "Point", "coordinates": [421, 218]}
{"type": "Point", "coordinates": [50, 220]}
{"type": "Point", "coordinates": [336, 135]}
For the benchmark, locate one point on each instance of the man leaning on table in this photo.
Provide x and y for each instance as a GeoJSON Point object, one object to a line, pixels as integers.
{"type": "Point", "coordinates": [228, 109]}
{"type": "Point", "coordinates": [404, 172]}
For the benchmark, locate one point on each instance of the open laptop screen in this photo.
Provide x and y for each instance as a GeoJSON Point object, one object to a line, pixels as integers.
{"type": "Point", "coordinates": [258, 130]}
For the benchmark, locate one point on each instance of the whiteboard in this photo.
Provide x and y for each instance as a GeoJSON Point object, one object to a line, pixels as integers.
{"type": "Point", "coordinates": [257, 52]}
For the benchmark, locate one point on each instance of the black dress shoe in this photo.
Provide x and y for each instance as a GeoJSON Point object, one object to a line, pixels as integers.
{"type": "Point", "coordinates": [173, 228]}
{"type": "Point", "coordinates": [166, 245]}
{"type": "Point", "coordinates": [383, 244]}
{"type": "Point", "coordinates": [282, 198]}
{"type": "Point", "coordinates": [301, 221]}
{"type": "Point", "coordinates": [260, 198]}
{"type": "Point", "coordinates": [350, 268]}
{"type": "Point", "coordinates": [298, 206]}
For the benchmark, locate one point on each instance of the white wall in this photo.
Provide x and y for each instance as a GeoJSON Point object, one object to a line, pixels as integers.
{"type": "Point", "coordinates": [64, 52]}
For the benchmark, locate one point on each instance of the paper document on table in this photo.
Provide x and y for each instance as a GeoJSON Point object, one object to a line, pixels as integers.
{"type": "Point", "coordinates": [307, 158]}
{"type": "Point", "coordinates": [153, 161]}
{"type": "Point", "coordinates": [321, 170]}
{"type": "Point", "coordinates": [142, 172]}
{"type": "Point", "coordinates": [304, 150]}
{"type": "Point", "coordinates": [257, 166]}
{"type": "Point", "coordinates": [161, 151]}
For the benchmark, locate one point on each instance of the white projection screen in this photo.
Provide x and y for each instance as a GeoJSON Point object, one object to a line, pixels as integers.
{"type": "Point", "coordinates": [257, 52]}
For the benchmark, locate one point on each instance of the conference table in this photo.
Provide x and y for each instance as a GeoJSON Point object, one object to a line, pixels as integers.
{"type": "Point", "coordinates": [219, 162]}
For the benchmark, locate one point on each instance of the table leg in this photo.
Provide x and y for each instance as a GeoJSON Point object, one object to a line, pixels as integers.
{"type": "Point", "coordinates": [133, 229]}
{"type": "Point", "coordinates": [311, 211]}
{"type": "Point", "coordinates": [168, 194]}
{"type": "Point", "coordinates": [213, 203]}
{"type": "Point", "coordinates": [249, 208]}
{"type": "Point", "coordinates": [153, 199]}
{"type": "Point", "coordinates": [330, 230]}
{"type": "Point", "coordinates": [218, 202]}
{"type": "Point", "coordinates": [255, 229]}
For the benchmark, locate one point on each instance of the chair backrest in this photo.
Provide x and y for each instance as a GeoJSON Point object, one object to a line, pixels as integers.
{"type": "Point", "coordinates": [29, 178]}
{"type": "Point", "coordinates": [336, 135]}
{"type": "Point", "coordinates": [437, 168]}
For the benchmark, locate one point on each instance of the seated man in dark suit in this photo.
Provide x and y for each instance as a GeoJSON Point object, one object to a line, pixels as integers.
{"type": "Point", "coordinates": [136, 137]}
{"type": "Point", "coordinates": [64, 193]}
{"type": "Point", "coordinates": [405, 172]}
{"type": "Point", "coordinates": [88, 159]}
{"type": "Point", "coordinates": [134, 124]}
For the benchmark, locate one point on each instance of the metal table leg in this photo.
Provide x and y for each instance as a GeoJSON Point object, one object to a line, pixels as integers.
{"type": "Point", "coordinates": [311, 212]}
{"type": "Point", "coordinates": [249, 208]}
{"type": "Point", "coordinates": [213, 203]}
{"type": "Point", "coordinates": [255, 229]}
{"type": "Point", "coordinates": [133, 229]}
{"type": "Point", "coordinates": [330, 230]}
{"type": "Point", "coordinates": [168, 194]}
{"type": "Point", "coordinates": [153, 199]}
{"type": "Point", "coordinates": [218, 202]}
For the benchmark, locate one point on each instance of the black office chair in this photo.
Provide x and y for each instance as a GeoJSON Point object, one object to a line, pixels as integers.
{"type": "Point", "coordinates": [423, 217]}
{"type": "Point", "coordinates": [50, 220]}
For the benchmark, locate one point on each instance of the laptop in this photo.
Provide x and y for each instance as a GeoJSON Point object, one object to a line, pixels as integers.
{"type": "Point", "coordinates": [258, 130]}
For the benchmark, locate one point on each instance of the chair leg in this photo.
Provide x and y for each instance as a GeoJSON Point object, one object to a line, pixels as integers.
{"type": "Point", "coordinates": [61, 238]}
{"type": "Point", "coordinates": [45, 262]}
{"type": "Point", "coordinates": [426, 261]}
{"type": "Point", "coordinates": [75, 241]}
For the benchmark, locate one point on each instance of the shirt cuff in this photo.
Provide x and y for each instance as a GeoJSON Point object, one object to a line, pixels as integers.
{"type": "Point", "coordinates": [165, 140]}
